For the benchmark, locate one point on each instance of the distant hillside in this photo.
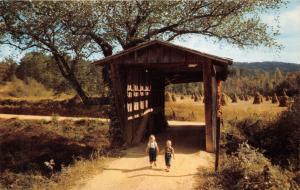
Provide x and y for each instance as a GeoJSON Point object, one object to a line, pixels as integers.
{"type": "Point", "coordinates": [268, 66]}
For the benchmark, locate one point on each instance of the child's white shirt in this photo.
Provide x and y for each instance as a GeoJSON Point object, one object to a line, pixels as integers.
{"type": "Point", "coordinates": [152, 145]}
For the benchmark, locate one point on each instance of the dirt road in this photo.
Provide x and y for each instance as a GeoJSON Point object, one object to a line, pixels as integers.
{"type": "Point", "coordinates": [41, 117]}
{"type": "Point", "coordinates": [132, 171]}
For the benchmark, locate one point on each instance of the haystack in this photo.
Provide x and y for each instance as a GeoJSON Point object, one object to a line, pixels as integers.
{"type": "Point", "coordinates": [196, 99]}
{"type": "Point", "coordinates": [258, 99]}
{"type": "Point", "coordinates": [274, 99]}
{"type": "Point", "coordinates": [246, 98]}
{"type": "Point", "coordinates": [242, 97]}
{"type": "Point", "coordinates": [283, 101]}
{"type": "Point", "coordinates": [234, 98]}
{"type": "Point", "coordinates": [173, 98]}
{"type": "Point", "coordinates": [167, 97]}
{"type": "Point", "coordinates": [224, 99]}
{"type": "Point", "coordinates": [200, 98]}
{"type": "Point", "coordinates": [267, 98]}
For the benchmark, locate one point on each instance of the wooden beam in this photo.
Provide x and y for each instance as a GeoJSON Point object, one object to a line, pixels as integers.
{"type": "Point", "coordinates": [119, 93]}
{"type": "Point", "coordinates": [209, 79]}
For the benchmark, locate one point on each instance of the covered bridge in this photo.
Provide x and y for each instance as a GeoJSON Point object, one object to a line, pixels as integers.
{"type": "Point", "coordinates": [140, 74]}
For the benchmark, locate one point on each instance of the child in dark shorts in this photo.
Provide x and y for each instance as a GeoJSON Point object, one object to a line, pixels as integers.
{"type": "Point", "coordinates": [169, 152]}
{"type": "Point", "coordinates": [152, 150]}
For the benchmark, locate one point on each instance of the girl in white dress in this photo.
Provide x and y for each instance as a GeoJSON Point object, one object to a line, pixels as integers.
{"type": "Point", "coordinates": [152, 150]}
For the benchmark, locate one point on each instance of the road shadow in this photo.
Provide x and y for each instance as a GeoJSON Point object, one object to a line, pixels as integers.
{"type": "Point", "coordinates": [160, 175]}
{"type": "Point", "coordinates": [186, 139]}
{"type": "Point", "coordinates": [146, 168]}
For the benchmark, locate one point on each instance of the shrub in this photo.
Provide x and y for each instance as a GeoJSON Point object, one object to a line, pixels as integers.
{"type": "Point", "coordinates": [247, 169]}
{"type": "Point", "coordinates": [30, 88]}
{"type": "Point", "coordinates": [181, 97]}
{"type": "Point", "coordinates": [278, 138]}
{"type": "Point", "coordinates": [196, 99]}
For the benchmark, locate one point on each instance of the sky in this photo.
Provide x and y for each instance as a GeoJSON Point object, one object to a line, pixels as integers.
{"type": "Point", "coordinates": [289, 22]}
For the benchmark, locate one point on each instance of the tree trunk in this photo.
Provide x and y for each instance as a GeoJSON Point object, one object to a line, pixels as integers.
{"type": "Point", "coordinates": [77, 87]}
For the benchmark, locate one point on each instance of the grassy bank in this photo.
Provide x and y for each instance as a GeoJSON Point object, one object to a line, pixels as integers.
{"type": "Point", "coordinates": [258, 153]}
{"type": "Point", "coordinates": [76, 148]}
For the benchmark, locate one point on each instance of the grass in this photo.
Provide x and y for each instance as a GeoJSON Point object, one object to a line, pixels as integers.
{"type": "Point", "coordinates": [258, 152]}
{"type": "Point", "coordinates": [187, 109]}
{"type": "Point", "coordinates": [68, 178]}
{"type": "Point", "coordinates": [31, 90]}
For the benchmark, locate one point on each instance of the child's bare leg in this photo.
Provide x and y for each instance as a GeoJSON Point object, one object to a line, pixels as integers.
{"type": "Point", "coordinates": [168, 168]}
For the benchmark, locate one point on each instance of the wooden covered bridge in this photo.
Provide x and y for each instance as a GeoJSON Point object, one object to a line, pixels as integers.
{"type": "Point", "coordinates": [140, 74]}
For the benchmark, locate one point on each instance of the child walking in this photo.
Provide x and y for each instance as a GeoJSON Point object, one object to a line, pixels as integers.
{"type": "Point", "coordinates": [169, 152]}
{"type": "Point", "coordinates": [152, 150]}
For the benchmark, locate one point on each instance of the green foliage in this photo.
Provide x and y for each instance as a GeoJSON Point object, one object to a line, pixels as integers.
{"type": "Point", "coordinates": [41, 68]}
{"type": "Point", "coordinates": [7, 70]}
{"type": "Point", "coordinates": [33, 65]}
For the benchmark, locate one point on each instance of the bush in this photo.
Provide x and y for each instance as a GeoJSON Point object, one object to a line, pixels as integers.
{"type": "Point", "coordinates": [277, 138]}
{"type": "Point", "coordinates": [248, 169]}
{"type": "Point", "coordinates": [181, 97]}
{"type": "Point", "coordinates": [30, 88]}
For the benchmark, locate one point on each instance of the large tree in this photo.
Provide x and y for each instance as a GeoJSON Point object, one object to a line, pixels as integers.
{"type": "Point", "coordinates": [71, 31]}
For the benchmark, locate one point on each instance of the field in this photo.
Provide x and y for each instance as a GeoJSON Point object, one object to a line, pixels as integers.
{"type": "Point", "coordinates": [80, 149]}
{"type": "Point", "coordinates": [18, 97]}
{"type": "Point", "coordinates": [188, 110]}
